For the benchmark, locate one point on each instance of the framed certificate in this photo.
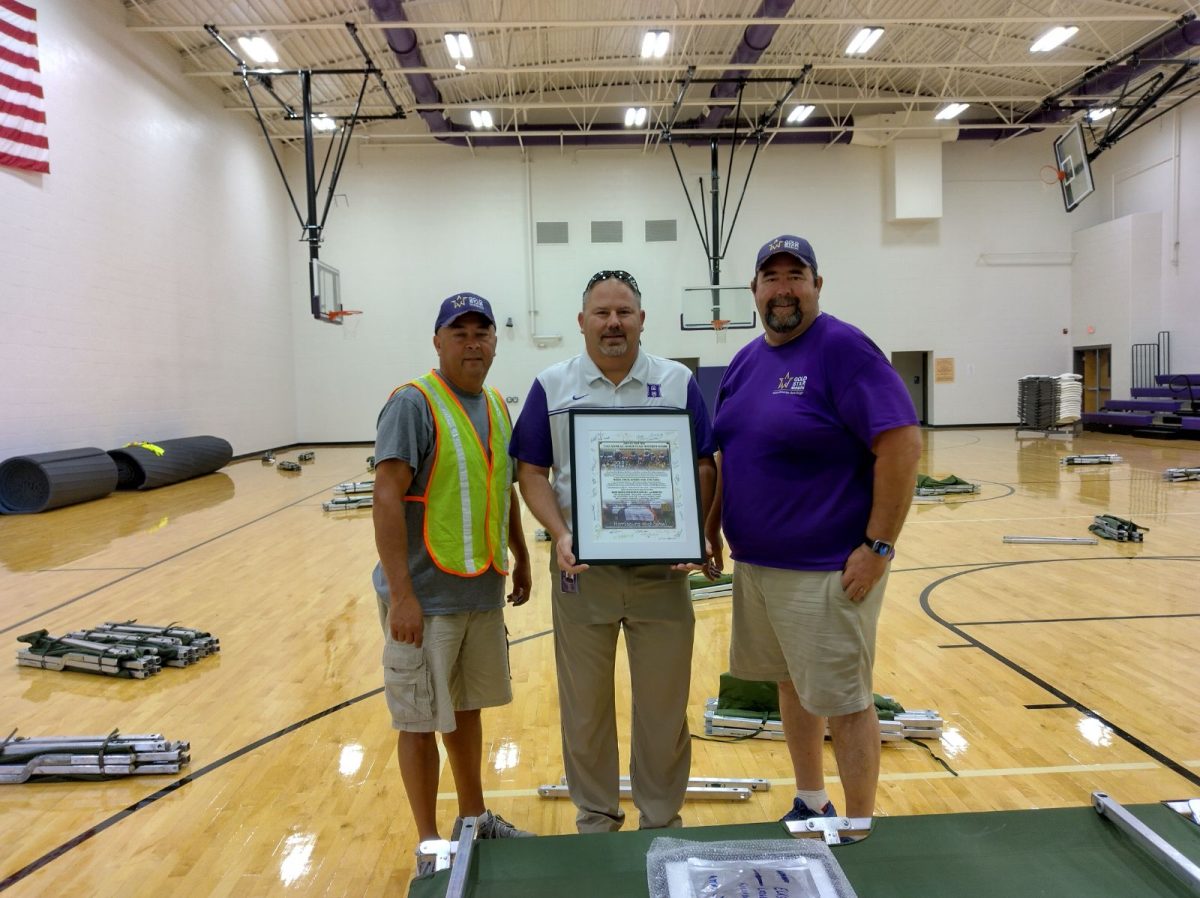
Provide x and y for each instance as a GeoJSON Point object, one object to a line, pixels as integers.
{"type": "Point", "coordinates": [635, 488]}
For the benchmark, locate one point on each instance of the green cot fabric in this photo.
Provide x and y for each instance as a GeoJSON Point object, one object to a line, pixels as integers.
{"type": "Point", "coordinates": [749, 698]}
{"type": "Point", "coordinates": [1058, 852]}
{"type": "Point", "coordinates": [699, 581]}
{"type": "Point", "coordinates": [754, 698]}
{"type": "Point", "coordinates": [924, 481]}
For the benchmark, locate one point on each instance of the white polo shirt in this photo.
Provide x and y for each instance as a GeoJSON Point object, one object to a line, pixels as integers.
{"type": "Point", "coordinates": [542, 435]}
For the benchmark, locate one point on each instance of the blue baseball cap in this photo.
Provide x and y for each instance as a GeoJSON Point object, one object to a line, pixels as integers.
{"type": "Point", "coordinates": [453, 307]}
{"type": "Point", "coordinates": [796, 247]}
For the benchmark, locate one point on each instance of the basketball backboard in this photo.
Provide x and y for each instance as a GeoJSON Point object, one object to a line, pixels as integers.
{"type": "Point", "coordinates": [326, 284]}
{"type": "Point", "coordinates": [1075, 172]}
{"type": "Point", "coordinates": [701, 306]}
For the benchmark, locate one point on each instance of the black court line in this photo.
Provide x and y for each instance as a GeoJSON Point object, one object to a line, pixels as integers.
{"type": "Point", "coordinates": [133, 572]}
{"type": "Point", "coordinates": [1140, 744]}
{"type": "Point", "coordinates": [1049, 706]}
{"type": "Point", "coordinates": [1067, 620]}
{"type": "Point", "coordinates": [54, 854]}
{"type": "Point", "coordinates": [966, 497]}
{"type": "Point", "coordinates": [959, 645]}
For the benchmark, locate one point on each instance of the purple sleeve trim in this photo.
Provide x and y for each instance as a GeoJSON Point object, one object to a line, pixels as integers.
{"type": "Point", "coordinates": [706, 443]}
{"type": "Point", "coordinates": [531, 441]}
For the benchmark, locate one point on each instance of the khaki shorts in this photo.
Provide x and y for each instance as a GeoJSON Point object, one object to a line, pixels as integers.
{"type": "Point", "coordinates": [462, 665]}
{"type": "Point", "coordinates": [799, 625]}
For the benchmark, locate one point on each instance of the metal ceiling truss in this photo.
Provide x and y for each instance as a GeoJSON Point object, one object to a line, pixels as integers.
{"type": "Point", "coordinates": [312, 224]}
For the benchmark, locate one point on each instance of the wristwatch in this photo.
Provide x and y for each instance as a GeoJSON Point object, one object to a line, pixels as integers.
{"type": "Point", "coordinates": [879, 547]}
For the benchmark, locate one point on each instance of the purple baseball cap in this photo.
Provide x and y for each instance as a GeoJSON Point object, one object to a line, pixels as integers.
{"type": "Point", "coordinates": [453, 307]}
{"type": "Point", "coordinates": [796, 247]}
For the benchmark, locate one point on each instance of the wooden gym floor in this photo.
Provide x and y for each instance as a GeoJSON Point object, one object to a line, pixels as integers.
{"type": "Point", "coordinates": [1058, 669]}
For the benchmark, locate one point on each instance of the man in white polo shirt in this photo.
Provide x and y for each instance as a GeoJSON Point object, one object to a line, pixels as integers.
{"type": "Point", "coordinates": [592, 605]}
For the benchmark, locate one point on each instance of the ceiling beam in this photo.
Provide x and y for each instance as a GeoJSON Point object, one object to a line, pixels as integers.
{"type": "Point", "coordinates": [739, 22]}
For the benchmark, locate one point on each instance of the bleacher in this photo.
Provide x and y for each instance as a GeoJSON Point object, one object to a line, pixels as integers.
{"type": "Point", "coordinates": [1168, 410]}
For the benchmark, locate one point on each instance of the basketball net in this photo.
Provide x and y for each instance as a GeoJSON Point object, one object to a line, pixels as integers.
{"type": "Point", "coordinates": [349, 319]}
{"type": "Point", "coordinates": [718, 326]}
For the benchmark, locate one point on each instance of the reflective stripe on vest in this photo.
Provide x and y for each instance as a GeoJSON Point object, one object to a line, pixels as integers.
{"type": "Point", "coordinates": [468, 495]}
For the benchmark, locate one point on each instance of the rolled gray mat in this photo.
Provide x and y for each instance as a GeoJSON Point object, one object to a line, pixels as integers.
{"type": "Point", "coordinates": [33, 483]}
{"type": "Point", "coordinates": [144, 466]}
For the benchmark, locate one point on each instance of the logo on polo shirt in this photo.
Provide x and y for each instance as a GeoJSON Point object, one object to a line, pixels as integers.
{"type": "Point", "coordinates": [791, 384]}
{"type": "Point", "coordinates": [654, 391]}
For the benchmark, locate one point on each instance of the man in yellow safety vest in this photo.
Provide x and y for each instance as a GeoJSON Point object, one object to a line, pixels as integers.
{"type": "Point", "coordinates": [446, 517]}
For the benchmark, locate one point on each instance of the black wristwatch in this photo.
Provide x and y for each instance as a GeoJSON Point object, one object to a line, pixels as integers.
{"type": "Point", "coordinates": [879, 547]}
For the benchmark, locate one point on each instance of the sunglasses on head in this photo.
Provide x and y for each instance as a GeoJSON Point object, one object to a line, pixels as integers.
{"type": "Point", "coordinates": [623, 276]}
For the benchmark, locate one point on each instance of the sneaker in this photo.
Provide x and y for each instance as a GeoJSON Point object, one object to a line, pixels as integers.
{"type": "Point", "coordinates": [426, 865]}
{"type": "Point", "coordinates": [801, 811]}
{"type": "Point", "coordinates": [491, 826]}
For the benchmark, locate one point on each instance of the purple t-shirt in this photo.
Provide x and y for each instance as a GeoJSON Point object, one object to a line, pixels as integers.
{"type": "Point", "coordinates": [795, 425]}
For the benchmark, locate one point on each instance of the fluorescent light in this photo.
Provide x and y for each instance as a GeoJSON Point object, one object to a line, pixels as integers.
{"type": "Point", "coordinates": [635, 117]}
{"type": "Point", "coordinates": [866, 38]}
{"type": "Point", "coordinates": [655, 43]}
{"type": "Point", "coordinates": [458, 45]}
{"type": "Point", "coordinates": [951, 110]}
{"type": "Point", "coordinates": [323, 122]}
{"type": "Point", "coordinates": [1052, 38]}
{"type": "Point", "coordinates": [481, 118]}
{"type": "Point", "coordinates": [799, 114]}
{"type": "Point", "coordinates": [258, 49]}
{"type": "Point", "coordinates": [1100, 112]}
{"type": "Point", "coordinates": [487, 118]}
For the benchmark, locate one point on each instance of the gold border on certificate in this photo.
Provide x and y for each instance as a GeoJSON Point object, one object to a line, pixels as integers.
{"type": "Point", "coordinates": [635, 487]}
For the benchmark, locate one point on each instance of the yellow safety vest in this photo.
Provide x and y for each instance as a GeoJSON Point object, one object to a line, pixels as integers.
{"type": "Point", "coordinates": [468, 495]}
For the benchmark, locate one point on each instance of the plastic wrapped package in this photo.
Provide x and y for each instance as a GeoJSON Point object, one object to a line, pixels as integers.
{"type": "Point", "coordinates": [772, 868]}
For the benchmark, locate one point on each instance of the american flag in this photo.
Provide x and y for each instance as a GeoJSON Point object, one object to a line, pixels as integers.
{"type": "Point", "coordinates": [23, 141]}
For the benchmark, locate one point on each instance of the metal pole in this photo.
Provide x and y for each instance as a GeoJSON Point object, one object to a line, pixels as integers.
{"type": "Point", "coordinates": [1147, 839]}
{"type": "Point", "coordinates": [715, 245]}
{"type": "Point", "coordinates": [312, 232]}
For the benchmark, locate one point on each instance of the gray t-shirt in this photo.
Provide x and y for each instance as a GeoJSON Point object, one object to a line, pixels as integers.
{"type": "Point", "coordinates": [405, 431]}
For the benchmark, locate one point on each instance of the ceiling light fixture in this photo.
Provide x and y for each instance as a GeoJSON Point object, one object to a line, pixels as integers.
{"type": "Point", "coordinates": [323, 122]}
{"type": "Point", "coordinates": [481, 119]}
{"type": "Point", "coordinates": [1054, 37]}
{"type": "Point", "coordinates": [635, 117]}
{"type": "Point", "coordinates": [799, 114]}
{"type": "Point", "coordinates": [458, 45]}
{"type": "Point", "coordinates": [1100, 112]}
{"type": "Point", "coordinates": [655, 43]}
{"type": "Point", "coordinates": [258, 49]}
{"type": "Point", "coordinates": [951, 110]}
{"type": "Point", "coordinates": [864, 40]}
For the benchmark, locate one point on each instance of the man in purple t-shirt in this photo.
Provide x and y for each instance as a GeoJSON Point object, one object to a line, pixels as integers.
{"type": "Point", "coordinates": [818, 457]}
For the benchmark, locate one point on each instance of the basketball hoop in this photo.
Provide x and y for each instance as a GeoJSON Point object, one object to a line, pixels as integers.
{"type": "Point", "coordinates": [1052, 175]}
{"type": "Point", "coordinates": [719, 325]}
{"type": "Point", "coordinates": [335, 316]}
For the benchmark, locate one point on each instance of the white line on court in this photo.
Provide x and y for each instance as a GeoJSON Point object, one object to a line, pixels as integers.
{"type": "Point", "coordinates": [897, 777]}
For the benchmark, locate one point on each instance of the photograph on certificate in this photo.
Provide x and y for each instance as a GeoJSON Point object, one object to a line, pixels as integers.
{"type": "Point", "coordinates": [635, 487]}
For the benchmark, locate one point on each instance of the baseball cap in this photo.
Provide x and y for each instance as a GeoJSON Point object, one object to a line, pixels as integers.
{"type": "Point", "coordinates": [796, 247]}
{"type": "Point", "coordinates": [460, 304]}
